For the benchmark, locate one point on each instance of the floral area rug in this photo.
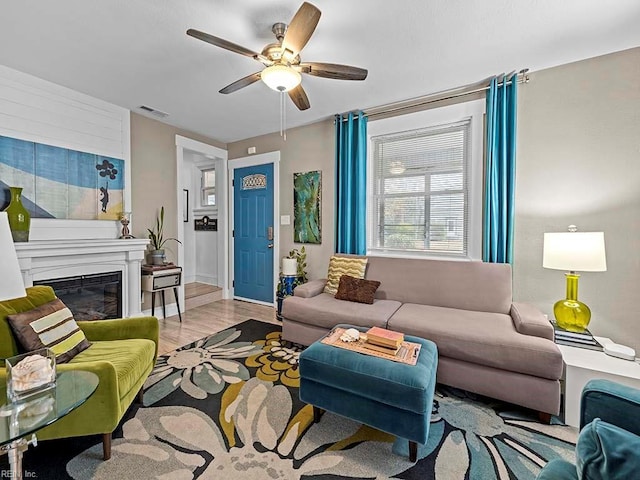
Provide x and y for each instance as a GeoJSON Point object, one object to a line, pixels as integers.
{"type": "Point", "coordinates": [227, 407]}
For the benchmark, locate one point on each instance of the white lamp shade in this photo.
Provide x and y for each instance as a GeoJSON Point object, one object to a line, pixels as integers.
{"type": "Point", "coordinates": [281, 78]}
{"type": "Point", "coordinates": [11, 283]}
{"type": "Point", "coordinates": [574, 251]}
{"type": "Point", "coordinates": [289, 266]}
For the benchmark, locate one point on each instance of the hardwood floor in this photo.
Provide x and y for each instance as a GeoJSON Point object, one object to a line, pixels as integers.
{"type": "Point", "coordinates": [195, 289]}
{"type": "Point", "coordinates": [207, 319]}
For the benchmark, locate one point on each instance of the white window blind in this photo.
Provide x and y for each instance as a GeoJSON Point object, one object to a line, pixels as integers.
{"type": "Point", "coordinates": [420, 190]}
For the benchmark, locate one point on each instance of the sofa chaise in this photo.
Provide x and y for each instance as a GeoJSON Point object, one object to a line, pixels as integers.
{"type": "Point", "coordinates": [487, 344]}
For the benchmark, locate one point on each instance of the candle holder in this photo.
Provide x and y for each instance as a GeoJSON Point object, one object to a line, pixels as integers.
{"type": "Point", "coordinates": [125, 219]}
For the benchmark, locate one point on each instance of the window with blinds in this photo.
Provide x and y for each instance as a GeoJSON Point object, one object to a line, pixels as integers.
{"type": "Point", "coordinates": [420, 190]}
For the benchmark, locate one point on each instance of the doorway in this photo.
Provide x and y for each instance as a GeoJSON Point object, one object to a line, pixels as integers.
{"type": "Point", "coordinates": [254, 230]}
{"type": "Point", "coordinates": [203, 254]}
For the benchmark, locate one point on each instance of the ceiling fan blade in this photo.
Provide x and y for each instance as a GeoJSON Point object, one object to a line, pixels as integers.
{"type": "Point", "coordinates": [334, 70]}
{"type": "Point", "coordinates": [222, 43]}
{"type": "Point", "coordinates": [243, 82]}
{"type": "Point", "coordinates": [299, 97]}
{"type": "Point", "coordinates": [300, 29]}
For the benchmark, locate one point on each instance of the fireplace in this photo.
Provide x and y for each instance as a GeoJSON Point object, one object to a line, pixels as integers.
{"type": "Point", "coordinates": [90, 297]}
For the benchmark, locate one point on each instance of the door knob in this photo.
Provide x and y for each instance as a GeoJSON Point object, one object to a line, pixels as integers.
{"type": "Point", "coordinates": [270, 245]}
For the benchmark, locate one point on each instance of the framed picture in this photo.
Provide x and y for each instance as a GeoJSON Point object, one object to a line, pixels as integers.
{"type": "Point", "coordinates": [185, 205]}
{"type": "Point", "coordinates": [307, 201]}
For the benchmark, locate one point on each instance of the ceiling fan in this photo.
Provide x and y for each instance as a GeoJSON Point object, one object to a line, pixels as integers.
{"type": "Point", "coordinates": [282, 58]}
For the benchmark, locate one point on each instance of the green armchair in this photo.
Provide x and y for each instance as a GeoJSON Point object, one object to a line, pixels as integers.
{"type": "Point", "coordinates": [122, 353]}
{"type": "Point", "coordinates": [608, 447]}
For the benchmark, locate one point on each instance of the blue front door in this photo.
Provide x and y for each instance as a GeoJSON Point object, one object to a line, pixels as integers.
{"type": "Point", "coordinates": [253, 232]}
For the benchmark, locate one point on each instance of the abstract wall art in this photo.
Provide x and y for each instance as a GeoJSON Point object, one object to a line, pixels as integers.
{"type": "Point", "coordinates": [61, 183]}
{"type": "Point", "coordinates": [307, 200]}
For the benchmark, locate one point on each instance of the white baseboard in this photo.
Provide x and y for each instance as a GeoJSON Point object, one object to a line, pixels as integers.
{"type": "Point", "coordinates": [208, 279]}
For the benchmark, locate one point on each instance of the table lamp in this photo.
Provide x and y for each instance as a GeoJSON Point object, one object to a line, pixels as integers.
{"type": "Point", "coordinates": [573, 251]}
{"type": "Point", "coordinates": [11, 283]}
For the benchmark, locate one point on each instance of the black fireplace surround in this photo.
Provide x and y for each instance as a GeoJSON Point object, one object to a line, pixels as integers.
{"type": "Point", "coordinates": [90, 297]}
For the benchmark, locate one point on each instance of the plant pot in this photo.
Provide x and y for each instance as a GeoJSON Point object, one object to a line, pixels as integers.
{"type": "Point", "coordinates": [157, 257]}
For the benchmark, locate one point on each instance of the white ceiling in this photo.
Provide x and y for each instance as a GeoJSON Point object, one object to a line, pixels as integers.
{"type": "Point", "coordinates": [136, 52]}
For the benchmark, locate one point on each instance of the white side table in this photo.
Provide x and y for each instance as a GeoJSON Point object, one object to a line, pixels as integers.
{"type": "Point", "coordinates": [582, 365]}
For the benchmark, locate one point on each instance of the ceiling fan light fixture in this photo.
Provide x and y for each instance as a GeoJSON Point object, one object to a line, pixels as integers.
{"type": "Point", "coordinates": [281, 78]}
{"type": "Point", "coordinates": [396, 168]}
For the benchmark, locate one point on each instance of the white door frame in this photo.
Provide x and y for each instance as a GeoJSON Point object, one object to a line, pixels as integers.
{"type": "Point", "coordinates": [218, 154]}
{"type": "Point", "coordinates": [261, 159]}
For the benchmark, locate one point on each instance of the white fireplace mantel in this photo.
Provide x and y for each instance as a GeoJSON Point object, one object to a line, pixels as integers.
{"type": "Point", "coordinates": [48, 259]}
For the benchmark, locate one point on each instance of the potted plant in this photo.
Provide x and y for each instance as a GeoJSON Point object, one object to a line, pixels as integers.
{"type": "Point", "coordinates": [301, 260]}
{"type": "Point", "coordinates": [156, 235]}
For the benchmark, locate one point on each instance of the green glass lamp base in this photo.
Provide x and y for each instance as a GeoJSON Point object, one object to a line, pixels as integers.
{"type": "Point", "coordinates": [572, 315]}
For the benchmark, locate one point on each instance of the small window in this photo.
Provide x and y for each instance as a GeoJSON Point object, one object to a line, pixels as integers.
{"type": "Point", "coordinates": [208, 197]}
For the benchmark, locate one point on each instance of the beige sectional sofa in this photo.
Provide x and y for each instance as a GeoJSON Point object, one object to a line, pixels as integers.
{"type": "Point", "coordinates": [486, 343]}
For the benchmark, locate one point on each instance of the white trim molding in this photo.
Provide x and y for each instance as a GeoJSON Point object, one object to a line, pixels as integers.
{"type": "Point", "coordinates": [260, 159]}
{"type": "Point", "coordinates": [218, 156]}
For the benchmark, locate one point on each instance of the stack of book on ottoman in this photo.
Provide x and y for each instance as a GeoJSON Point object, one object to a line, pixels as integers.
{"type": "Point", "coordinates": [575, 339]}
{"type": "Point", "coordinates": [382, 340]}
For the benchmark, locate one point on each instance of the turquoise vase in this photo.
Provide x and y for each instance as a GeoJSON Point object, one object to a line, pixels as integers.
{"type": "Point", "coordinates": [19, 217]}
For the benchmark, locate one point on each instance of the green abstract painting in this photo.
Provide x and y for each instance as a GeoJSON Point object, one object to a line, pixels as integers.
{"type": "Point", "coordinates": [307, 198]}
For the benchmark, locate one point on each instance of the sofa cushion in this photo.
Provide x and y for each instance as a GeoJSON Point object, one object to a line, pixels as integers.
{"type": "Point", "coordinates": [357, 289]}
{"type": "Point", "coordinates": [325, 311]}
{"type": "Point", "coordinates": [52, 326]}
{"type": "Point", "coordinates": [479, 337]}
{"type": "Point", "coordinates": [340, 265]}
{"type": "Point", "coordinates": [475, 286]}
{"type": "Point", "coordinates": [131, 358]}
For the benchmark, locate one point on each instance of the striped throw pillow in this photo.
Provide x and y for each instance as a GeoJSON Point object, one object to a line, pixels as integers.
{"type": "Point", "coordinates": [52, 326]}
{"type": "Point", "coordinates": [338, 266]}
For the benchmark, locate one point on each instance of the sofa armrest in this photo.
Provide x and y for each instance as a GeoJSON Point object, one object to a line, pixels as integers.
{"type": "Point", "coordinates": [310, 289]}
{"type": "Point", "coordinates": [611, 402]}
{"type": "Point", "coordinates": [528, 320]}
{"type": "Point", "coordinates": [122, 329]}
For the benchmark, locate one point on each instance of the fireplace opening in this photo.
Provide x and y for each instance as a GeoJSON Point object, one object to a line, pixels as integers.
{"type": "Point", "coordinates": [90, 297]}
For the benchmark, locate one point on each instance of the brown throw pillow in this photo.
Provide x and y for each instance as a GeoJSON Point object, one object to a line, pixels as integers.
{"type": "Point", "coordinates": [356, 289]}
{"type": "Point", "coordinates": [52, 326]}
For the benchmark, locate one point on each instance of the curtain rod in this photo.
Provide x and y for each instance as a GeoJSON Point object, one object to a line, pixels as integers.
{"type": "Point", "coordinates": [391, 108]}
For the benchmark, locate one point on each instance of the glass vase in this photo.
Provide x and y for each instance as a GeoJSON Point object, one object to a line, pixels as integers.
{"type": "Point", "coordinates": [19, 216]}
{"type": "Point", "coordinates": [30, 373]}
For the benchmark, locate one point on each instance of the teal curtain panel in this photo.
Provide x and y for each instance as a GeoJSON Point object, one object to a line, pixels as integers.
{"type": "Point", "coordinates": [351, 183]}
{"type": "Point", "coordinates": [500, 170]}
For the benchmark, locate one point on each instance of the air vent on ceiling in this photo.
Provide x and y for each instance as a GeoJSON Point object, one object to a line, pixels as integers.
{"type": "Point", "coordinates": [153, 111]}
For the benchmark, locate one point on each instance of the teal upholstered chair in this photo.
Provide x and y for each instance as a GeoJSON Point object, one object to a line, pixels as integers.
{"type": "Point", "coordinates": [609, 443]}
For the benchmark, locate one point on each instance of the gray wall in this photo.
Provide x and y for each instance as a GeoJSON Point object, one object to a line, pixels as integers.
{"type": "Point", "coordinates": [579, 163]}
{"type": "Point", "coordinates": [153, 173]}
{"type": "Point", "coordinates": [154, 177]}
{"type": "Point", "coordinates": [307, 148]}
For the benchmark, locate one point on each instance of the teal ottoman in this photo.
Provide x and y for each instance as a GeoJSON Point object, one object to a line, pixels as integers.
{"type": "Point", "coordinates": [389, 396]}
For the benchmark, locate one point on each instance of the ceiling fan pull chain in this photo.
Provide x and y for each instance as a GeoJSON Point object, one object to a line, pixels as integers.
{"type": "Point", "coordinates": [281, 100]}
{"type": "Point", "coordinates": [283, 116]}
